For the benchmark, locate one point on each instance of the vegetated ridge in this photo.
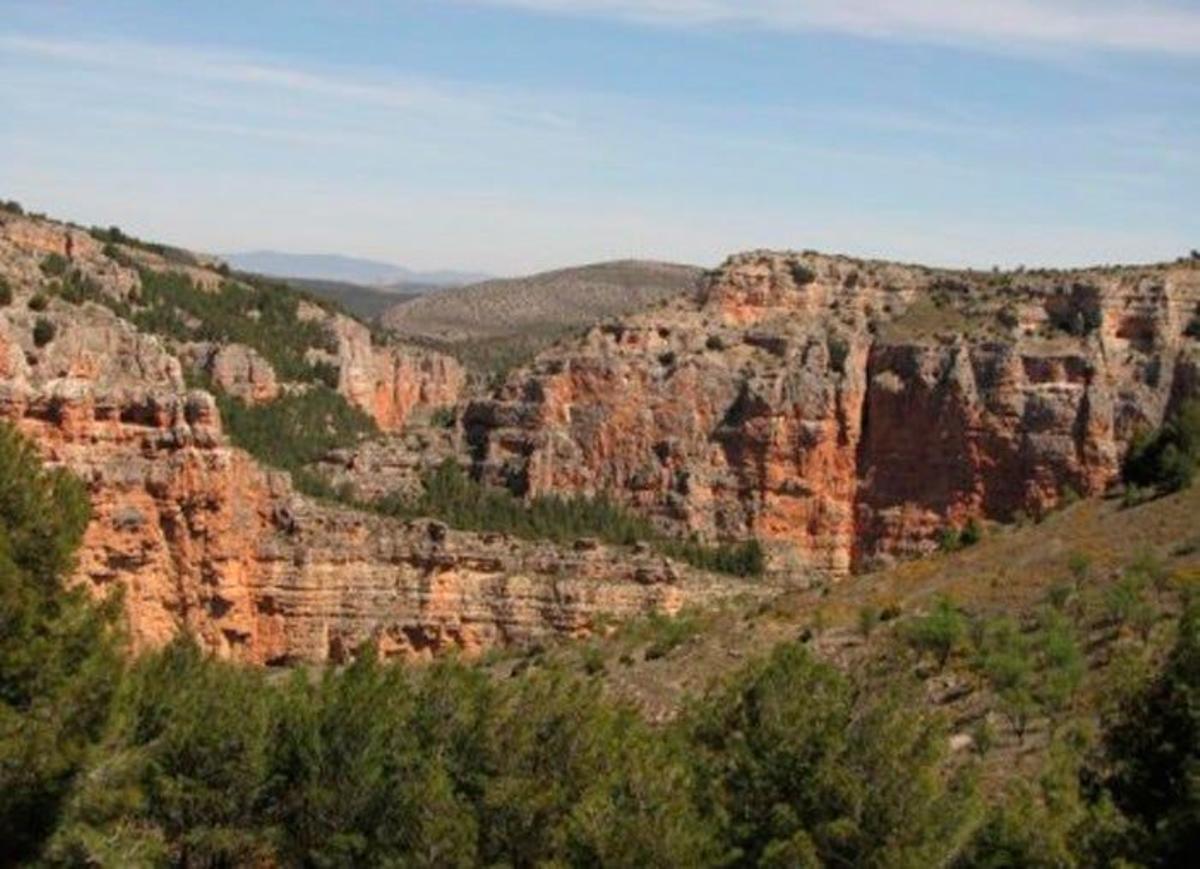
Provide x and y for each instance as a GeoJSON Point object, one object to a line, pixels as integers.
{"type": "Point", "coordinates": [499, 323]}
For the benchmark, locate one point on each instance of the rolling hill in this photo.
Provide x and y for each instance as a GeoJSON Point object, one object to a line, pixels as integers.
{"type": "Point", "coordinates": [497, 323]}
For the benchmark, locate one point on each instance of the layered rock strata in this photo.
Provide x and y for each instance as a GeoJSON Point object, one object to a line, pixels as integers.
{"type": "Point", "coordinates": [198, 537]}
{"type": "Point", "coordinates": [847, 411]}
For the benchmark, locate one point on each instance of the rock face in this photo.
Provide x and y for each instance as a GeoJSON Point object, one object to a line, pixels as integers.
{"type": "Point", "coordinates": [848, 411]}
{"type": "Point", "coordinates": [197, 536]}
{"type": "Point", "coordinates": [236, 369]}
{"type": "Point", "coordinates": [390, 382]}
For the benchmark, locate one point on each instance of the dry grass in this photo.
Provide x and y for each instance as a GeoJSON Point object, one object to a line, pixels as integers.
{"type": "Point", "coordinates": [1011, 571]}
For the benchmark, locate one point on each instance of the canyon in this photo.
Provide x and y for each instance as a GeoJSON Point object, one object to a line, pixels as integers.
{"type": "Point", "coordinates": [846, 413]}
{"type": "Point", "coordinates": [197, 536]}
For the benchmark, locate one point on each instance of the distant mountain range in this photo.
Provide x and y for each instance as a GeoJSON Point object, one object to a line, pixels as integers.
{"type": "Point", "coordinates": [335, 267]}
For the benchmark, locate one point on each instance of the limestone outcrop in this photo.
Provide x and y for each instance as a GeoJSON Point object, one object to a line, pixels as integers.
{"type": "Point", "coordinates": [848, 411]}
{"type": "Point", "coordinates": [198, 537]}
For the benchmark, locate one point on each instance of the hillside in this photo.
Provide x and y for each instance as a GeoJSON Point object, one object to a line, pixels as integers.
{"type": "Point", "coordinates": [498, 323]}
{"type": "Point", "coordinates": [366, 303]}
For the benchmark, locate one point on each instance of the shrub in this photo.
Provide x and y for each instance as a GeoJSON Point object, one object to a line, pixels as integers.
{"type": "Point", "coordinates": [55, 265]}
{"type": "Point", "coordinates": [38, 302]}
{"type": "Point", "coordinates": [949, 539]}
{"type": "Point", "coordinates": [940, 633]}
{"type": "Point", "coordinates": [868, 619]}
{"type": "Point", "coordinates": [807, 771]}
{"type": "Point", "coordinates": [1152, 750]}
{"type": "Point", "coordinates": [76, 287]}
{"type": "Point", "coordinates": [839, 349]}
{"type": "Point", "coordinates": [295, 430]}
{"type": "Point", "coordinates": [43, 332]}
{"type": "Point", "coordinates": [6, 293]}
{"type": "Point", "coordinates": [59, 652]}
{"type": "Point", "coordinates": [802, 274]}
{"type": "Point", "coordinates": [259, 314]}
{"type": "Point", "coordinates": [443, 417]}
{"type": "Point", "coordinates": [1166, 459]}
{"type": "Point", "coordinates": [972, 532]}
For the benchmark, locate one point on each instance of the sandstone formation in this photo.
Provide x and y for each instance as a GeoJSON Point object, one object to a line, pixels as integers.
{"type": "Point", "coordinates": [848, 411]}
{"type": "Point", "coordinates": [197, 536]}
{"type": "Point", "coordinates": [236, 369]}
{"type": "Point", "coordinates": [389, 382]}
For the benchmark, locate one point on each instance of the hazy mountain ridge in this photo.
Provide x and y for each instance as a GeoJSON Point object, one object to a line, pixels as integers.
{"type": "Point", "coordinates": [338, 267]}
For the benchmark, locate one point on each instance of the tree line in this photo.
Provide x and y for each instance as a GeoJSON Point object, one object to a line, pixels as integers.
{"type": "Point", "coordinates": [174, 758]}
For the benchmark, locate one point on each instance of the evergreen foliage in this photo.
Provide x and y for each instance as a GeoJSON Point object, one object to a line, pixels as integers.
{"type": "Point", "coordinates": [450, 495]}
{"type": "Point", "coordinates": [263, 316]}
{"type": "Point", "coordinates": [43, 332]}
{"type": "Point", "coordinates": [1153, 751]}
{"type": "Point", "coordinates": [58, 652]}
{"type": "Point", "coordinates": [295, 430]}
{"type": "Point", "coordinates": [178, 759]}
{"type": "Point", "coordinates": [1166, 459]}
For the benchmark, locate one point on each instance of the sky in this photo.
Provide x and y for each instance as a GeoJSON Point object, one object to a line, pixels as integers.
{"type": "Point", "coordinates": [508, 136]}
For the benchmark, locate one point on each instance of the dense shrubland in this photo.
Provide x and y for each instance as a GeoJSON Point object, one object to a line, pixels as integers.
{"type": "Point", "coordinates": [451, 495]}
{"type": "Point", "coordinates": [257, 312]}
{"type": "Point", "coordinates": [296, 430]}
{"type": "Point", "coordinates": [265, 317]}
{"type": "Point", "coordinates": [174, 758]}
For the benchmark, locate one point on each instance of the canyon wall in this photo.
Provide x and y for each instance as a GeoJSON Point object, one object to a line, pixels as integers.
{"type": "Point", "coordinates": [847, 412]}
{"type": "Point", "coordinates": [197, 536]}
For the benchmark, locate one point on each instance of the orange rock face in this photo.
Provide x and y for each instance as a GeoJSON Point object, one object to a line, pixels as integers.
{"type": "Point", "coordinates": [848, 411]}
{"type": "Point", "coordinates": [198, 537]}
{"type": "Point", "coordinates": [389, 382]}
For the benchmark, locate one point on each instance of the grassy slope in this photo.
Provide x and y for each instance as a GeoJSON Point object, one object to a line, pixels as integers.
{"type": "Point", "coordinates": [365, 303]}
{"type": "Point", "coordinates": [658, 663]}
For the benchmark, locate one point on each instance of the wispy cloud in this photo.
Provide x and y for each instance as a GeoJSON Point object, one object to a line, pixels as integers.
{"type": "Point", "coordinates": [1158, 26]}
{"type": "Point", "coordinates": [359, 87]}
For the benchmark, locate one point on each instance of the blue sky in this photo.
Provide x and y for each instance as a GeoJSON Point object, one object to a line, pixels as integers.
{"type": "Point", "coordinates": [513, 135]}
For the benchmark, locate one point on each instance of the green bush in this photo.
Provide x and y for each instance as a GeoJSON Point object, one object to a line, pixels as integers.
{"type": "Point", "coordinates": [940, 633]}
{"type": "Point", "coordinates": [296, 429]}
{"type": "Point", "coordinates": [59, 652]}
{"type": "Point", "coordinates": [38, 302]}
{"type": "Point", "coordinates": [43, 332]}
{"type": "Point", "coordinates": [76, 287]}
{"type": "Point", "coordinates": [6, 293]}
{"type": "Point", "coordinates": [1166, 459]}
{"type": "Point", "coordinates": [804, 770]}
{"type": "Point", "coordinates": [55, 265]}
{"type": "Point", "coordinates": [1153, 752]}
{"type": "Point", "coordinates": [264, 316]}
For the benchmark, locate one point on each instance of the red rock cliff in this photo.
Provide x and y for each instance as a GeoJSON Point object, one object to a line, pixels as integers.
{"type": "Point", "coordinates": [847, 411]}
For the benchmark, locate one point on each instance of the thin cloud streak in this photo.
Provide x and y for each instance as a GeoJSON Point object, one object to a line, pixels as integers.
{"type": "Point", "coordinates": [1153, 26]}
{"type": "Point", "coordinates": [223, 68]}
